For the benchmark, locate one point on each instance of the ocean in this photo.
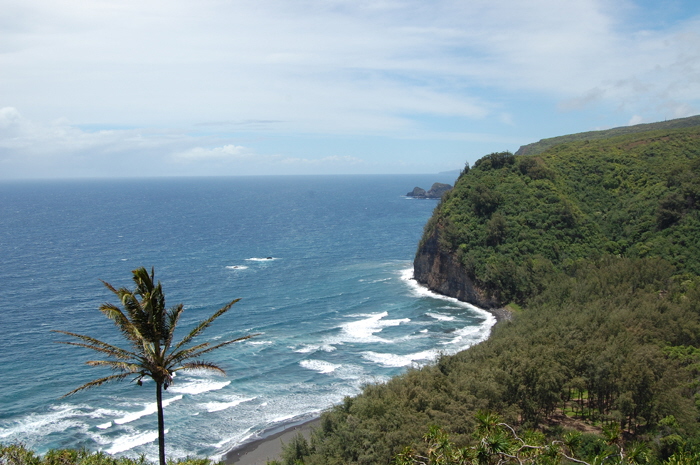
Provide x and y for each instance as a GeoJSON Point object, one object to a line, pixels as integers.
{"type": "Point", "coordinates": [322, 265]}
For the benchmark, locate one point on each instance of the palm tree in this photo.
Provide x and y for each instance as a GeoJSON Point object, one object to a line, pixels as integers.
{"type": "Point", "coordinates": [149, 327]}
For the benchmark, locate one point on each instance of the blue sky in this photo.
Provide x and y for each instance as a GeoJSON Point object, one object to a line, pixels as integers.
{"type": "Point", "coordinates": [179, 88]}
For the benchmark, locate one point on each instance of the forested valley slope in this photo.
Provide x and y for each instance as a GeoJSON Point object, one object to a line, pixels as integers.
{"type": "Point", "coordinates": [594, 245]}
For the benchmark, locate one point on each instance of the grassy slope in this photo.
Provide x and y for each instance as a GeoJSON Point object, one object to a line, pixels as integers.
{"type": "Point", "coordinates": [545, 144]}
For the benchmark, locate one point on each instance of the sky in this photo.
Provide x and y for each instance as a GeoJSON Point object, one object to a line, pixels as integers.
{"type": "Point", "coordinates": [122, 88]}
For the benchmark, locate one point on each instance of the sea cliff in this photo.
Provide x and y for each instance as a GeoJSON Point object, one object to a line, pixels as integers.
{"type": "Point", "coordinates": [511, 221]}
{"type": "Point", "coordinates": [442, 272]}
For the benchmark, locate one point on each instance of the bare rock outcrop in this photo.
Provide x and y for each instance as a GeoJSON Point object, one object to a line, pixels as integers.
{"type": "Point", "coordinates": [441, 272]}
{"type": "Point", "coordinates": [435, 191]}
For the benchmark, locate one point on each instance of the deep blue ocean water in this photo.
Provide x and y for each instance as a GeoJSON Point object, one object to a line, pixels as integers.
{"type": "Point", "coordinates": [335, 303]}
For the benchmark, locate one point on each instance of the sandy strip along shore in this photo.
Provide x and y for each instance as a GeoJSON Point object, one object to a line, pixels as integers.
{"type": "Point", "coordinates": [263, 450]}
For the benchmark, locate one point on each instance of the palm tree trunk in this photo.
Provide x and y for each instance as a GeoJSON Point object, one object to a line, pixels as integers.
{"type": "Point", "coordinates": [161, 423]}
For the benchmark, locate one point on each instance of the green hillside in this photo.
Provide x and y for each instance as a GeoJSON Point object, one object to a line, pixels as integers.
{"type": "Point", "coordinates": [511, 219]}
{"type": "Point", "coordinates": [545, 144]}
{"type": "Point", "coordinates": [598, 241]}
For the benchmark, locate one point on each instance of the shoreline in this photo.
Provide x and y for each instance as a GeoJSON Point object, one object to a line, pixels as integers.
{"type": "Point", "coordinates": [501, 313]}
{"type": "Point", "coordinates": [268, 448]}
{"type": "Point", "coordinates": [265, 449]}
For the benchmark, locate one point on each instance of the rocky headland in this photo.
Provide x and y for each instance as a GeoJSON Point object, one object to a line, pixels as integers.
{"type": "Point", "coordinates": [435, 192]}
{"type": "Point", "coordinates": [442, 272]}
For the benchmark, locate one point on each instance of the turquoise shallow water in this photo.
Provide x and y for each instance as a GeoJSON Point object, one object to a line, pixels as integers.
{"type": "Point", "coordinates": [335, 303]}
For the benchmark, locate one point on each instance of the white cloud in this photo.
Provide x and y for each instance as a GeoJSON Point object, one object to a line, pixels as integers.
{"type": "Point", "coordinates": [28, 149]}
{"type": "Point", "coordinates": [325, 66]}
{"type": "Point", "coordinates": [401, 69]}
{"type": "Point", "coordinates": [227, 152]}
{"type": "Point", "coordinates": [331, 160]}
{"type": "Point", "coordinates": [636, 119]}
{"type": "Point", "coordinates": [58, 149]}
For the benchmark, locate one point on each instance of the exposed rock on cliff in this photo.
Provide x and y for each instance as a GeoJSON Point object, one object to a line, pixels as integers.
{"type": "Point", "coordinates": [435, 192]}
{"type": "Point", "coordinates": [442, 272]}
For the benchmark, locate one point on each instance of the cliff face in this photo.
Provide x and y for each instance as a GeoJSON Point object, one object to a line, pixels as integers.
{"type": "Point", "coordinates": [441, 272]}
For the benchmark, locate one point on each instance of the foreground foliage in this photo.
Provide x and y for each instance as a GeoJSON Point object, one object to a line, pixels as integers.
{"type": "Point", "coordinates": [17, 454]}
{"type": "Point", "coordinates": [499, 443]}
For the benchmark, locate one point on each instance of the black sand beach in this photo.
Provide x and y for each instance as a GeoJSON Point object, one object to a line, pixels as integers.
{"type": "Point", "coordinates": [269, 448]}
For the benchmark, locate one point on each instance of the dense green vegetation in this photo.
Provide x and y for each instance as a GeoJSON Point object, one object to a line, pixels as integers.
{"type": "Point", "coordinates": [599, 243]}
{"type": "Point", "coordinates": [512, 220]}
{"type": "Point", "coordinates": [545, 144]}
{"type": "Point", "coordinates": [17, 454]}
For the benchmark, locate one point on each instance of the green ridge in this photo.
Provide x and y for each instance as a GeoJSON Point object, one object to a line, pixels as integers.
{"type": "Point", "coordinates": [511, 219]}
{"type": "Point", "coordinates": [544, 144]}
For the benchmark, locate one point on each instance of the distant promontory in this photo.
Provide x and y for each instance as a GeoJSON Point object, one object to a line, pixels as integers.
{"type": "Point", "coordinates": [435, 191]}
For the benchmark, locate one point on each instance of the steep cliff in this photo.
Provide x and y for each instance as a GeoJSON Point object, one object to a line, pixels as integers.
{"type": "Point", "coordinates": [442, 272]}
{"type": "Point", "coordinates": [511, 221]}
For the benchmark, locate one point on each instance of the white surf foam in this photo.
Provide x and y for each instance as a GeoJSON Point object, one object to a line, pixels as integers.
{"type": "Point", "coordinates": [105, 412]}
{"type": "Point", "coordinates": [319, 366]}
{"type": "Point", "coordinates": [440, 317]}
{"type": "Point", "coordinates": [239, 438]}
{"type": "Point", "coordinates": [237, 267]}
{"type": "Point", "coordinates": [311, 348]}
{"type": "Point", "coordinates": [362, 331]}
{"type": "Point", "coordinates": [149, 409]}
{"type": "Point", "coordinates": [127, 442]}
{"type": "Point", "coordinates": [395, 360]}
{"type": "Point", "coordinates": [470, 335]}
{"type": "Point", "coordinates": [259, 343]}
{"type": "Point", "coordinates": [60, 418]}
{"type": "Point", "coordinates": [198, 386]}
{"type": "Point", "coordinates": [218, 406]}
{"type": "Point", "coordinates": [351, 372]}
{"type": "Point", "coordinates": [261, 259]}
{"type": "Point", "coordinates": [104, 425]}
{"type": "Point", "coordinates": [421, 291]}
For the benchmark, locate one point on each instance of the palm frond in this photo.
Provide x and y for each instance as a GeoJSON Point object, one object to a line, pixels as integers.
{"type": "Point", "coordinates": [109, 286]}
{"type": "Point", "coordinates": [128, 329]}
{"type": "Point", "coordinates": [185, 354]}
{"type": "Point", "coordinates": [173, 318]}
{"type": "Point", "coordinates": [198, 365]}
{"type": "Point", "coordinates": [136, 315]}
{"type": "Point", "coordinates": [99, 382]}
{"type": "Point", "coordinates": [144, 281]}
{"type": "Point", "coordinates": [205, 324]}
{"type": "Point", "coordinates": [202, 349]}
{"type": "Point", "coordinates": [152, 302]}
{"type": "Point", "coordinates": [97, 345]}
{"type": "Point", "coordinates": [96, 349]}
{"type": "Point", "coordinates": [118, 366]}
